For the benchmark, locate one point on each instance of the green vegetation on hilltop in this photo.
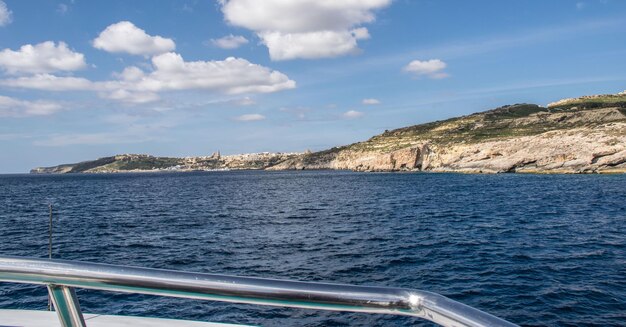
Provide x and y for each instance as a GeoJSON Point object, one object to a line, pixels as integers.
{"type": "Point", "coordinates": [121, 163]}
{"type": "Point", "coordinates": [499, 122]}
{"type": "Point", "coordinates": [136, 162]}
{"type": "Point", "coordinates": [86, 165]}
{"type": "Point", "coordinates": [591, 102]}
{"type": "Point", "coordinates": [504, 122]}
{"type": "Point", "coordinates": [513, 111]}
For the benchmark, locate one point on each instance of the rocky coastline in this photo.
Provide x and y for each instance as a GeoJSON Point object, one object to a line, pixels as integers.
{"type": "Point", "coordinates": [577, 135]}
{"type": "Point", "coordinates": [125, 163]}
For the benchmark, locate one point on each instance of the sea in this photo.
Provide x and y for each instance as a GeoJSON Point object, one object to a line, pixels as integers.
{"type": "Point", "coordinates": [537, 250]}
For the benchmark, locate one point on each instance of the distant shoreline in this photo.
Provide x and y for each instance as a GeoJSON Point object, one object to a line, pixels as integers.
{"type": "Point", "coordinates": [583, 135]}
{"type": "Point", "coordinates": [138, 172]}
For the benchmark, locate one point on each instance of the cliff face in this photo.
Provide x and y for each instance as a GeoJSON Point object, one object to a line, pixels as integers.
{"type": "Point", "coordinates": [571, 136]}
{"type": "Point", "coordinates": [60, 169]}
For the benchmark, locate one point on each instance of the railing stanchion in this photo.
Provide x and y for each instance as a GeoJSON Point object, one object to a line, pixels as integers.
{"type": "Point", "coordinates": [66, 305]}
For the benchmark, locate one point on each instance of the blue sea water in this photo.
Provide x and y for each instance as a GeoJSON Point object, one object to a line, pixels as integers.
{"type": "Point", "coordinates": [545, 250]}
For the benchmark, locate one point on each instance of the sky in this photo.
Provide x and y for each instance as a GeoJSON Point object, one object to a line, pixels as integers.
{"type": "Point", "coordinates": [84, 79]}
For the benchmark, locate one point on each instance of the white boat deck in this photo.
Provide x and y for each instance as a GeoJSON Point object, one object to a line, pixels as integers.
{"type": "Point", "coordinates": [32, 318]}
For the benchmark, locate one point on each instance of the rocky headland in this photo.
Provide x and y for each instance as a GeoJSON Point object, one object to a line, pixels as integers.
{"type": "Point", "coordinates": [578, 135]}
{"type": "Point", "coordinates": [148, 163]}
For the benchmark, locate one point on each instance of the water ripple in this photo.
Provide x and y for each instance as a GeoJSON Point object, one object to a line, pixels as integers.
{"type": "Point", "coordinates": [537, 250]}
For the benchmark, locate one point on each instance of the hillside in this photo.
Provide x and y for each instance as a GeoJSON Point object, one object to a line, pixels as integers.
{"type": "Point", "coordinates": [577, 135]}
{"type": "Point", "coordinates": [143, 163]}
{"type": "Point", "coordinates": [581, 135]}
{"type": "Point", "coordinates": [592, 101]}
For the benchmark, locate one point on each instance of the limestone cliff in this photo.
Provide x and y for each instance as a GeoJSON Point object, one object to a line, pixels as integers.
{"type": "Point", "coordinates": [581, 135]}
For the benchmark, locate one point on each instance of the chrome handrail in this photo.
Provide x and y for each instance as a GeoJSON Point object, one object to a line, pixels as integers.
{"type": "Point", "coordinates": [61, 276]}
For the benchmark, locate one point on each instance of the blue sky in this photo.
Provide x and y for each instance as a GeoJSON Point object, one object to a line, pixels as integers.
{"type": "Point", "coordinates": [85, 79]}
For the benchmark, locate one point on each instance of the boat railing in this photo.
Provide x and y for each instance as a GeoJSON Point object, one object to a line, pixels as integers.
{"type": "Point", "coordinates": [62, 277]}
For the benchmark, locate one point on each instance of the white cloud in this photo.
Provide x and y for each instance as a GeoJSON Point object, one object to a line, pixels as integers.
{"type": "Point", "coordinates": [352, 114]}
{"type": "Point", "coordinates": [47, 82]}
{"type": "Point", "coordinates": [133, 133]}
{"type": "Point", "coordinates": [44, 57]}
{"type": "Point", "coordinates": [304, 28]}
{"type": "Point", "coordinates": [187, 8]}
{"type": "Point", "coordinates": [91, 139]}
{"type": "Point", "coordinates": [126, 37]}
{"type": "Point", "coordinates": [300, 113]}
{"type": "Point", "coordinates": [10, 107]}
{"type": "Point", "coordinates": [432, 68]}
{"type": "Point", "coordinates": [131, 73]}
{"type": "Point", "coordinates": [250, 117]}
{"type": "Point", "coordinates": [169, 73]}
{"type": "Point", "coordinates": [370, 101]}
{"type": "Point", "coordinates": [14, 136]}
{"type": "Point", "coordinates": [232, 76]}
{"type": "Point", "coordinates": [360, 33]}
{"type": "Point", "coordinates": [5, 14]}
{"type": "Point", "coordinates": [312, 45]}
{"type": "Point", "coordinates": [300, 15]}
{"type": "Point", "coordinates": [230, 42]}
{"type": "Point", "coordinates": [246, 101]}
{"type": "Point", "coordinates": [131, 97]}
{"type": "Point", "coordinates": [62, 8]}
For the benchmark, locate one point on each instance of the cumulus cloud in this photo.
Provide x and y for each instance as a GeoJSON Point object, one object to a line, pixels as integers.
{"type": "Point", "coordinates": [312, 45]}
{"type": "Point", "coordinates": [304, 28]}
{"type": "Point", "coordinates": [231, 76]}
{"type": "Point", "coordinates": [230, 42]}
{"type": "Point", "coordinates": [352, 114]}
{"type": "Point", "coordinates": [44, 57]}
{"type": "Point", "coordinates": [5, 14]}
{"type": "Point", "coordinates": [300, 15]}
{"type": "Point", "coordinates": [125, 37]}
{"type": "Point", "coordinates": [170, 72]}
{"type": "Point", "coordinates": [10, 107]}
{"type": "Point", "coordinates": [431, 68]}
{"type": "Point", "coordinates": [250, 117]}
{"type": "Point", "coordinates": [370, 101]}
